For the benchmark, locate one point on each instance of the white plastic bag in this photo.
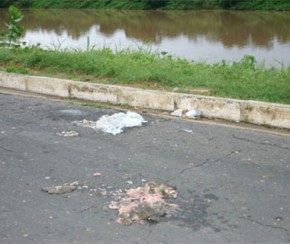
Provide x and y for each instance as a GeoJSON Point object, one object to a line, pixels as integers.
{"type": "Point", "coordinates": [115, 123]}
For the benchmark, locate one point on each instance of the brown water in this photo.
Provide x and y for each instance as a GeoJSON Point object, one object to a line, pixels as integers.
{"type": "Point", "coordinates": [209, 36]}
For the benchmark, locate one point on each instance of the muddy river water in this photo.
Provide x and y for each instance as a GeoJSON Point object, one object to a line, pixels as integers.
{"type": "Point", "coordinates": [210, 36]}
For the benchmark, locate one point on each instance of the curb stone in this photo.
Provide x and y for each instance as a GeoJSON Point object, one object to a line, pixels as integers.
{"type": "Point", "coordinates": [260, 113]}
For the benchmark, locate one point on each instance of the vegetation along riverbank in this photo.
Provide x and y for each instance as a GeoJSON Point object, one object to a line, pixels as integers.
{"type": "Point", "coordinates": [241, 80]}
{"type": "Point", "coordinates": [153, 4]}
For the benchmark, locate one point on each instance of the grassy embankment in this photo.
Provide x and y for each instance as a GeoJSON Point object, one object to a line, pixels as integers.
{"type": "Point", "coordinates": [241, 80]}
{"type": "Point", "coordinates": [153, 4]}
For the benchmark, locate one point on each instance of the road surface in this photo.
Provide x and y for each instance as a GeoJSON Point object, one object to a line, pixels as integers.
{"type": "Point", "coordinates": [233, 184]}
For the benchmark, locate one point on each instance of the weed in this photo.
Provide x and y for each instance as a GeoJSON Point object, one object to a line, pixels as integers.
{"type": "Point", "coordinates": [92, 105]}
{"type": "Point", "coordinates": [14, 30]}
{"type": "Point", "coordinates": [16, 69]}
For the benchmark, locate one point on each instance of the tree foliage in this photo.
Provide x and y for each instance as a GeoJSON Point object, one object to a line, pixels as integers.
{"type": "Point", "coordinates": [14, 31]}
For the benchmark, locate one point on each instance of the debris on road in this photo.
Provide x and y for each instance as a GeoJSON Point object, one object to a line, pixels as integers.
{"type": "Point", "coordinates": [68, 133]}
{"type": "Point", "coordinates": [192, 113]}
{"type": "Point", "coordinates": [85, 123]}
{"type": "Point", "coordinates": [178, 112]}
{"type": "Point", "coordinates": [96, 174]}
{"type": "Point", "coordinates": [188, 131]}
{"type": "Point", "coordinates": [113, 124]}
{"type": "Point", "coordinates": [142, 204]}
{"type": "Point", "coordinates": [162, 189]}
{"type": "Point", "coordinates": [103, 191]}
{"type": "Point", "coordinates": [61, 189]}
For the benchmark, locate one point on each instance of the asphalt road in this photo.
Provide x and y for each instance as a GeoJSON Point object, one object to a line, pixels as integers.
{"type": "Point", "coordinates": [233, 184]}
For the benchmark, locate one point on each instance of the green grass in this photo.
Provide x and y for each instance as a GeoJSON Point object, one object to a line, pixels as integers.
{"type": "Point", "coordinates": [77, 4]}
{"type": "Point", "coordinates": [152, 4]}
{"type": "Point", "coordinates": [241, 80]}
{"type": "Point", "coordinates": [92, 105]}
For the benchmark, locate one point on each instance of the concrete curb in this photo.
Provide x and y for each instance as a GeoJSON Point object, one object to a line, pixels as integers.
{"type": "Point", "coordinates": [261, 113]}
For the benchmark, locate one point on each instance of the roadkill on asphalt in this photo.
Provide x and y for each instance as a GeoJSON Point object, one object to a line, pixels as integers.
{"type": "Point", "coordinates": [146, 203]}
{"type": "Point", "coordinates": [134, 205]}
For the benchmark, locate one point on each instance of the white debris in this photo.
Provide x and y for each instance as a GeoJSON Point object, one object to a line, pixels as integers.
{"type": "Point", "coordinates": [85, 123]}
{"type": "Point", "coordinates": [129, 182]}
{"type": "Point", "coordinates": [177, 112]}
{"type": "Point", "coordinates": [96, 174]}
{"type": "Point", "coordinates": [115, 123]}
{"type": "Point", "coordinates": [192, 113]}
{"type": "Point", "coordinates": [186, 113]}
{"type": "Point", "coordinates": [68, 133]}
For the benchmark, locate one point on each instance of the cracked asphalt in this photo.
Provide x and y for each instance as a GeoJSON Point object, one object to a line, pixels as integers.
{"type": "Point", "coordinates": [233, 184]}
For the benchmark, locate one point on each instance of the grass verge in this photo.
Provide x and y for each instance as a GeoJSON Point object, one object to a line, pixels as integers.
{"type": "Point", "coordinates": [241, 80]}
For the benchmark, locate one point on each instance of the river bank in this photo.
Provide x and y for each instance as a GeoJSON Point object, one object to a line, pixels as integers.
{"type": "Point", "coordinates": [241, 80]}
{"type": "Point", "coordinates": [200, 36]}
{"type": "Point", "coordinates": [280, 5]}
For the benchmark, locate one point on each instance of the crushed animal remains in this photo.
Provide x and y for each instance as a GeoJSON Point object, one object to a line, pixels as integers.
{"type": "Point", "coordinates": [146, 203]}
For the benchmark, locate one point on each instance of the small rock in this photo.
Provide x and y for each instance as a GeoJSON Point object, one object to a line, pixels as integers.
{"type": "Point", "coordinates": [278, 219]}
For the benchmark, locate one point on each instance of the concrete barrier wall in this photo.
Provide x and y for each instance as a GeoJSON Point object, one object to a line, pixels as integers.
{"type": "Point", "coordinates": [261, 113]}
{"type": "Point", "coordinates": [211, 107]}
{"type": "Point", "coordinates": [93, 92]}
